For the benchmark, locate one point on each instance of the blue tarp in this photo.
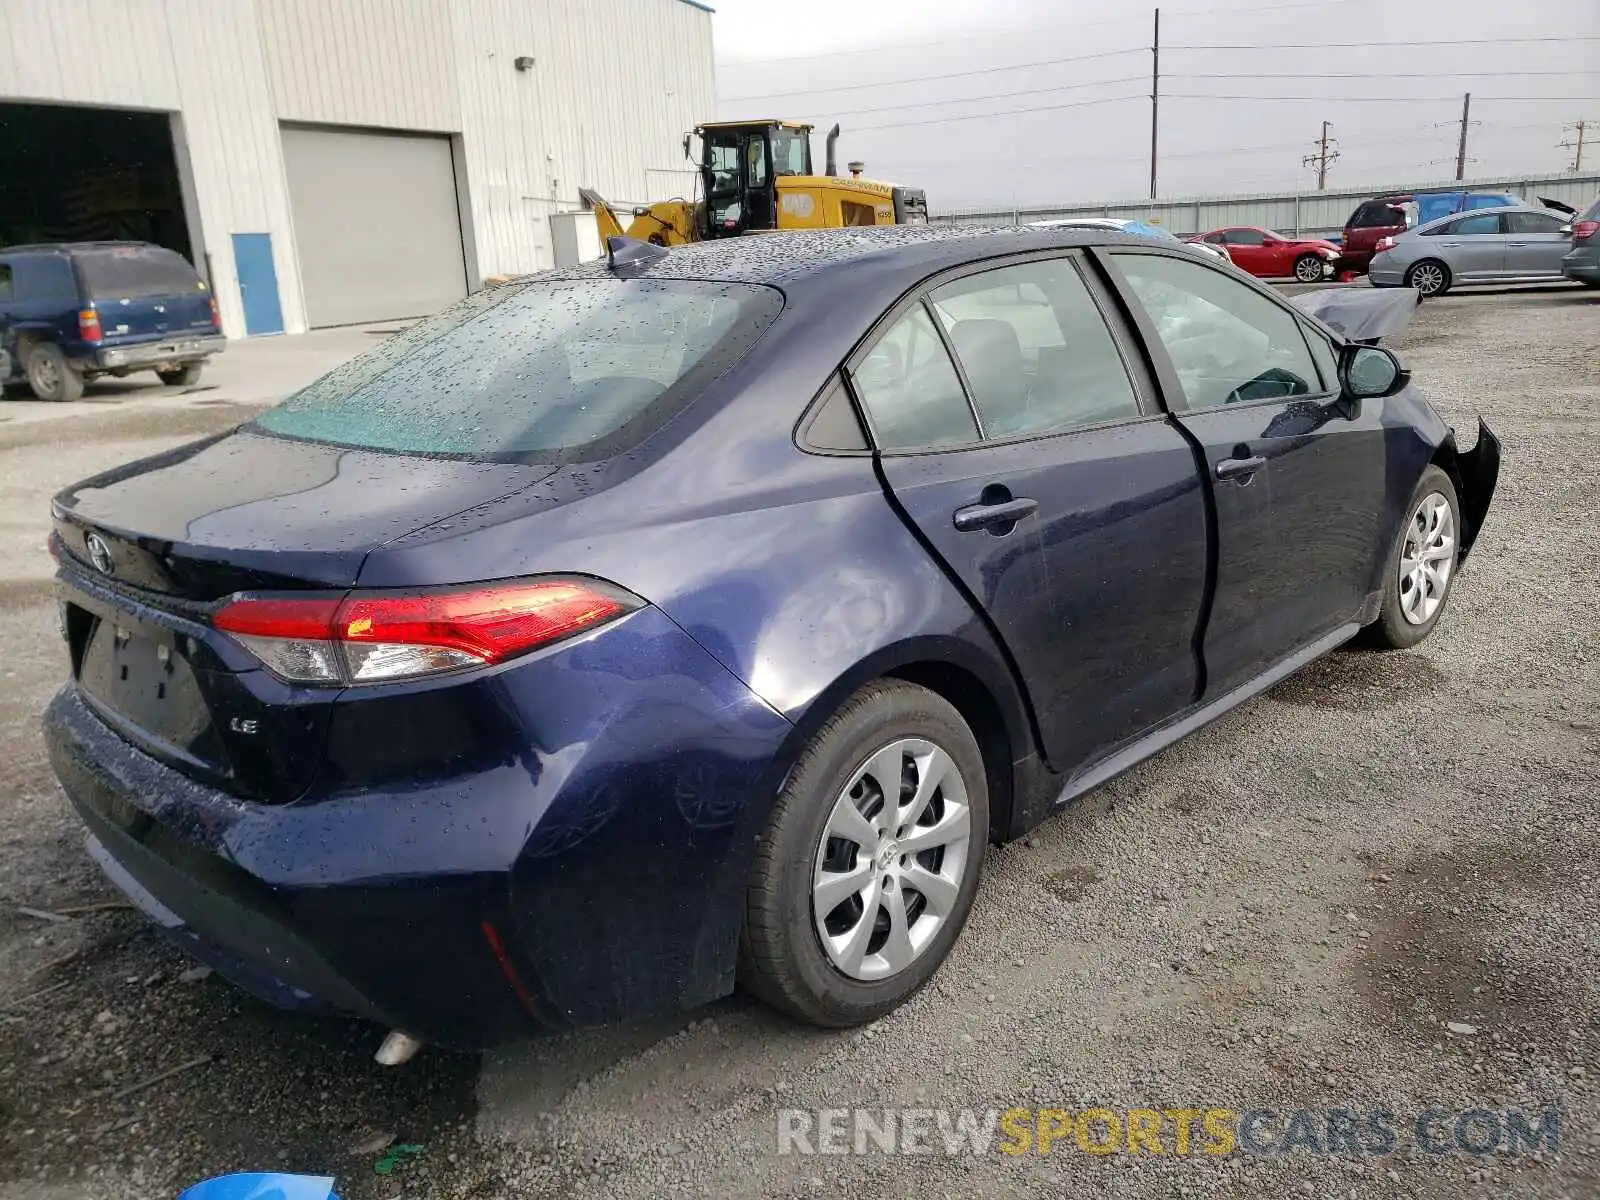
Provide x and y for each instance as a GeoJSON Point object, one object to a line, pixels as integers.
{"type": "Point", "coordinates": [263, 1185]}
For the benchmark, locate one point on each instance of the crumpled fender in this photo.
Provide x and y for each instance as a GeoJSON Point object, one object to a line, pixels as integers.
{"type": "Point", "coordinates": [1479, 471]}
{"type": "Point", "coordinates": [1361, 314]}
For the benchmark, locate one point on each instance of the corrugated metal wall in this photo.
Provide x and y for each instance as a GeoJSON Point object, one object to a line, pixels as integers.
{"type": "Point", "coordinates": [1305, 213]}
{"type": "Point", "coordinates": [614, 85]}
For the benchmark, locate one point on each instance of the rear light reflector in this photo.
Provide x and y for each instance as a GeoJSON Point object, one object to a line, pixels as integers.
{"type": "Point", "coordinates": [89, 325]}
{"type": "Point", "coordinates": [371, 637]}
{"type": "Point", "coordinates": [216, 314]}
{"type": "Point", "coordinates": [1582, 231]}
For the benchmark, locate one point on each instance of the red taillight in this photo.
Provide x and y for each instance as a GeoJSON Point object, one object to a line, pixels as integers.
{"type": "Point", "coordinates": [1382, 244]}
{"type": "Point", "coordinates": [1582, 231]}
{"type": "Point", "coordinates": [216, 314]}
{"type": "Point", "coordinates": [89, 325]}
{"type": "Point", "coordinates": [372, 636]}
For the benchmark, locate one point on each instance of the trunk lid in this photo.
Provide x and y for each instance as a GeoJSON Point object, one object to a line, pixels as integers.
{"type": "Point", "coordinates": [148, 551]}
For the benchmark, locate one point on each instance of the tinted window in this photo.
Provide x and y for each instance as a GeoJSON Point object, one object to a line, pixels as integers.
{"type": "Point", "coordinates": [1228, 343]}
{"type": "Point", "coordinates": [544, 371]}
{"type": "Point", "coordinates": [1527, 222]}
{"type": "Point", "coordinates": [123, 271]}
{"type": "Point", "coordinates": [832, 424]}
{"type": "Point", "coordinates": [1483, 223]}
{"type": "Point", "coordinates": [1035, 349]}
{"type": "Point", "coordinates": [5, 281]}
{"type": "Point", "coordinates": [1479, 200]}
{"type": "Point", "coordinates": [910, 388]}
{"type": "Point", "coordinates": [1216, 239]}
{"type": "Point", "coordinates": [45, 279]}
{"type": "Point", "coordinates": [1375, 214]}
{"type": "Point", "coordinates": [1245, 237]}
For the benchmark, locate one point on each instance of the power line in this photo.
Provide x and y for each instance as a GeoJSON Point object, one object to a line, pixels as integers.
{"type": "Point", "coordinates": [1367, 74]}
{"type": "Point", "coordinates": [1327, 154]}
{"type": "Point", "coordinates": [1358, 99]}
{"type": "Point", "coordinates": [1578, 127]}
{"type": "Point", "coordinates": [1060, 87]}
{"type": "Point", "coordinates": [856, 87]}
{"type": "Point", "coordinates": [1369, 45]}
{"type": "Point", "coordinates": [1031, 32]}
{"type": "Point", "coordinates": [1016, 112]}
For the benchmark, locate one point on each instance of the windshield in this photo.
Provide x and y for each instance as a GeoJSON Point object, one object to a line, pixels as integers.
{"type": "Point", "coordinates": [556, 370]}
{"type": "Point", "coordinates": [1275, 236]}
{"type": "Point", "coordinates": [124, 272]}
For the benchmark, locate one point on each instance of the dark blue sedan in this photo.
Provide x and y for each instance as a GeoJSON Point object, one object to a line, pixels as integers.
{"type": "Point", "coordinates": [698, 617]}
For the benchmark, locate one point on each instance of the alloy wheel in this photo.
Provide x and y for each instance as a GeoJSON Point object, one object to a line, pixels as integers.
{"type": "Point", "coordinates": [891, 859]}
{"type": "Point", "coordinates": [1308, 270]}
{"type": "Point", "coordinates": [1427, 278]}
{"type": "Point", "coordinates": [1427, 559]}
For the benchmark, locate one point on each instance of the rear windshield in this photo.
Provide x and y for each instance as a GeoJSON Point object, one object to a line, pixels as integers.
{"type": "Point", "coordinates": [120, 272]}
{"type": "Point", "coordinates": [1592, 212]}
{"type": "Point", "coordinates": [557, 370]}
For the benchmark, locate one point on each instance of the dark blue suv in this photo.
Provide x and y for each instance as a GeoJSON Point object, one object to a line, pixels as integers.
{"type": "Point", "coordinates": [72, 311]}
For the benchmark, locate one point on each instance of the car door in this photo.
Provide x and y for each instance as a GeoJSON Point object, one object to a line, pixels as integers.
{"type": "Point", "coordinates": [1473, 246]}
{"type": "Point", "coordinates": [1535, 244]}
{"type": "Point", "coordinates": [1248, 248]}
{"type": "Point", "coordinates": [1014, 438]}
{"type": "Point", "coordinates": [1297, 474]}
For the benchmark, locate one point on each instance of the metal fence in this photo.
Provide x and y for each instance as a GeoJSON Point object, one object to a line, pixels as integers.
{"type": "Point", "coordinates": [1299, 213]}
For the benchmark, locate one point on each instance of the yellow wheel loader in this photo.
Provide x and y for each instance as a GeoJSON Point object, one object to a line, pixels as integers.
{"type": "Point", "coordinates": [756, 176]}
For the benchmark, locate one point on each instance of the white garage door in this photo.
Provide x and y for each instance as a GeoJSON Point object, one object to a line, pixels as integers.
{"type": "Point", "coordinates": [375, 223]}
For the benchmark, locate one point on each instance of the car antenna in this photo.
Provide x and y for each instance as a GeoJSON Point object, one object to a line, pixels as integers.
{"type": "Point", "coordinates": [626, 253]}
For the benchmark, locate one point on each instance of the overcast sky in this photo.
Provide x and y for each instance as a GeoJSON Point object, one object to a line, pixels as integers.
{"type": "Point", "coordinates": [876, 66]}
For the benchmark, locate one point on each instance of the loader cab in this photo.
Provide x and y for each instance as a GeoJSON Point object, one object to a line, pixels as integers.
{"type": "Point", "coordinates": [740, 164]}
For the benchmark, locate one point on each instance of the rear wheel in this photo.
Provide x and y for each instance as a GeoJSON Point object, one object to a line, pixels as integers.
{"type": "Point", "coordinates": [866, 872]}
{"type": "Point", "coordinates": [51, 376]}
{"type": "Point", "coordinates": [1430, 277]}
{"type": "Point", "coordinates": [186, 375]}
{"type": "Point", "coordinates": [1309, 268]}
{"type": "Point", "coordinates": [1421, 566]}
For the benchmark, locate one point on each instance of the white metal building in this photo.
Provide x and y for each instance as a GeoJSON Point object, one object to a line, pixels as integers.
{"type": "Point", "coordinates": [339, 161]}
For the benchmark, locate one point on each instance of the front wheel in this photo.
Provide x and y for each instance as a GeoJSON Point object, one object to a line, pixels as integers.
{"type": "Point", "coordinates": [1430, 277]}
{"type": "Point", "coordinates": [866, 872]}
{"type": "Point", "coordinates": [1309, 268]}
{"type": "Point", "coordinates": [186, 375]}
{"type": "Point", "coordinates": [1421, 565]}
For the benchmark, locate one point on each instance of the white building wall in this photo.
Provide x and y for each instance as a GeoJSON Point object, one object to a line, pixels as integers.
{"type": "Point", "coordinates": [614, 86]}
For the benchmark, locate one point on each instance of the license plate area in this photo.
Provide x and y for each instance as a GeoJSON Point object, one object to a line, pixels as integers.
{"type": "Point", "coordinates": [147, 684]}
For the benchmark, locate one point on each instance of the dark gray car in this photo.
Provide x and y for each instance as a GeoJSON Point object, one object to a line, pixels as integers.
{"type": "Point", "coordinates": [1582, 262]}
{"type": "Point", "coordinates": [1515, 244]}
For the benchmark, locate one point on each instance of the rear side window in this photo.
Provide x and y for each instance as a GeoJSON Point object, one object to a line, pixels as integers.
{"type": "Point", "coordinates": [911, 391]}
{"type": "Point", "coordinates": [1228, 343]}
{"type": "Point", "coordinates": [45, 279]}
{"type": "Point", "coordinates": [1035, 349]}
{"type": "Point", "coordinates": [1527, 222]}
{"type": "Point", "coordinates": [125, 272]}
{"type": "Point", "coordinates": [544, 371]}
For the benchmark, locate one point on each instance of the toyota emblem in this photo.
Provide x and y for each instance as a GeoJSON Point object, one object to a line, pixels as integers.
{"type": "Point", "coordinates": [99, 553]}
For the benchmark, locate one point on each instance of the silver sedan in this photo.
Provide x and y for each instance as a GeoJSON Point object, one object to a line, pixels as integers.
{"type": "Point", "coordinates": [1515, 244]}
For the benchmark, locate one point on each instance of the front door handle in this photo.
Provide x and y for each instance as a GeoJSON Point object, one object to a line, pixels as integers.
{"type": "Point", "coordinates": [1236, 468]}
{"type": "Point", "coordinates": [989, 516]}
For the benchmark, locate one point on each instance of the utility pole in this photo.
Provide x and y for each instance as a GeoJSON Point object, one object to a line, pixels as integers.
{"type": "Point", "coordinates": [1576, 147]}
{"type": "Point", "coordinates": [1325, 156]}
{"type": "Point", "coordinates": [1461, 146]}
{"type": "Point", "coordinates": [1155, 98]}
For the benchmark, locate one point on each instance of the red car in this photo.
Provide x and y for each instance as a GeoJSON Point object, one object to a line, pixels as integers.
{"type": "Point", "coordinates": [1270, 255]}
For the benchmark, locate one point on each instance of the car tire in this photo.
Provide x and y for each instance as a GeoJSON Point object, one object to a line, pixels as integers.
{"type": "Point", "coordinates": [51, 376]}
{"type": "Point", "coordinates": [1433, 519]}
{"type": "Point", "coordinates": [1429, 276]}
{"type": "Point", "coordinates": [887, 726]}
{"type": "Point", "coordinates": [1310, 268]}
{"type": "Point", "coordinates": [185, 376]}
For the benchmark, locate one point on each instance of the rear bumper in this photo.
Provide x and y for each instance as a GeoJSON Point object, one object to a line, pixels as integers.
{"type": "Point", "coordinates": [585, 862]}
{"type": "Point", "coordinates": [1384, 274]}
{"type": "Point", "coordinates": [1583, 263]}
{"type": "Point", "coordinates": [151, 354]}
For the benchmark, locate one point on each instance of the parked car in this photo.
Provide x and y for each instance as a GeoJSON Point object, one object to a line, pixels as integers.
{"type": "Point", "coordinates": [1515, 244]}
{"type": "Point", "coordinates": [1390, 216]}
{"type": "Point", "coordinates": [1136, 228]}
{"type": "Point", "coordinates": [702, 615]}
{"type": "Point", "coordinates": [72, 311]}
{"type": "Point", "coordinates": [1582, 261]}
{"type": "Point", "coordinates": [1269, 255]}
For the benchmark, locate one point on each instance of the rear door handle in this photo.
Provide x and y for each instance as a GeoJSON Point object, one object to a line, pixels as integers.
{"type": "Point", "coordinates": [986, 516]}
{"type": "Point", "coordinates": [1234, 468]}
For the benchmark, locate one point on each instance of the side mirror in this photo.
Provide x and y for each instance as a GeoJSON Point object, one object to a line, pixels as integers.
{"type": "Point", "coordinates": [1371, 372]}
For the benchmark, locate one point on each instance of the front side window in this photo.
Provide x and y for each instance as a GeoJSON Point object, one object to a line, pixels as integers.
{"type": "Point", "coordinates": [790, 150]}
{"type": "Point", "coordinates": [1035, 348]}
{"type": "Point", "coordinates": [1228, 343]}
{"type": "Point", "coordinates": [1479, 225]}
{"type": "Point", "coordinates": [910, 389]}
{"type": "Point", "coordinates": [722, 164]}
{"type": "Point", "coordinates": [543, 372]}
{"type": "Point", "coordinates": [1245, 237]}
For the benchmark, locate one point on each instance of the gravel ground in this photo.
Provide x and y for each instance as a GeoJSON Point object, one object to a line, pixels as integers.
{"type": "Point", "coordinates": [1287, 910]}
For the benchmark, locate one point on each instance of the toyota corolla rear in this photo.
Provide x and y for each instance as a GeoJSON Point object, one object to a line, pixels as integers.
{"type": "Point", "coordinates": [461, 807]}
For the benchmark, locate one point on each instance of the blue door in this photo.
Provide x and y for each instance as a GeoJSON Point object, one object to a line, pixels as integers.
{"type": "Point", "coordinates": [258, 283]}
